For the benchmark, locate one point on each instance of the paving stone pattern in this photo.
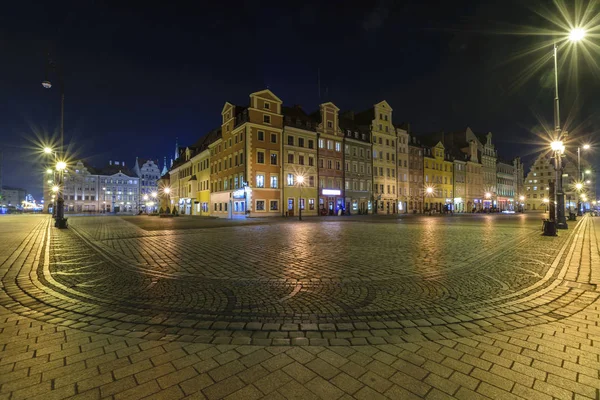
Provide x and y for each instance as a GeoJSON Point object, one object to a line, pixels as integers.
{"type": "Point", "coordinates": [109, 310]}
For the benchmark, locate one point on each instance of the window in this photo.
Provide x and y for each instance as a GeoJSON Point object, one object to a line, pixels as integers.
{"type": "Point", "coordinates": [267, 119]}
{"type": "Point", "coordinates": [301, 160]}
{"type": "Point", "coordinates": [241, 158]}
{"type": "Point", "coordinates": [329, 124]}
{"type": "Point", "coordinates": [338, 165]}
{"type": "Point", "coordinates": [300, 142]}
{"type": "Point", "coordinates": [311, 181]}
{"type": "Point", "coordinates": [273, 138]}
{"type": "Point", "coordinates": [260, 180]}
{"type": "Point", "coordinates": [329, 164]}
{"type": "Point", "coordinates": [338, 146]}
{"type": "Point", "coordinates": [274, 205]}
{"type": "Point", "coordinates": [302, 204]}
{"type": "Point", "coordinates": [290, 158]}
{"type": "Point", "coordinates": [290, 179]}
{"type": "Point", "coordinates": [261, 135]}
{"type": "Point", "coordinates": [321, 143]}
{"type": "Point", "coordinates": [321, 163]}
{"type": "Point", "coordinates": [311, 161]}
{"type": "Point", "coordinates": [329, 145]}
{"type": "Point", "coordinates": [267, 106]}
{"type": "Point", "coordinates": [274, 181]}
{"type": "Point", "coordinates": [310, 144]}
{"type": "Point", "coordinates": [260, 205]}
{"type": "Point", "coordinates": [311, 204]}
{"type": "Point", "coordinates": [290, 140]}
{"type": "Point", "coordinates": [273, 158]}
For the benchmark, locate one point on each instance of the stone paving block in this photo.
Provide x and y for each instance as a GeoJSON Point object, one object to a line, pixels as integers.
{"type": "Point", "coordinates": [118, 386]}
{"type": "Point", "coordinates": [366, 393]}
{"type": "Point", "coordinates": [276, 362]}
{"type": "Point", "coordinates": [416, 386]}
{"type": "Point", "coordinates": [254, 373]}
{"type": "Point", "coordinates": [139, 391]}
{"type": "Point", "coordinates": [272, 381]}
{"type": "Point", "coordinates": [322, 368]}
{"type": "Point", "coordinates": [225, 371]}
{"type": "Point", "coordinates": [196, 384]}
{"type": "Point", "coordinates": [153, 373]}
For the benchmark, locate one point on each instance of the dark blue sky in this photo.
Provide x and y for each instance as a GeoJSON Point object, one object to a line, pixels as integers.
{"type": "Point", "coordinates": [137, 76]}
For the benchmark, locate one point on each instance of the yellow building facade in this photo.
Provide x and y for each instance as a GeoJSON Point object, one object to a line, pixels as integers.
{"type": "Point", "coordinates": [438, 170]}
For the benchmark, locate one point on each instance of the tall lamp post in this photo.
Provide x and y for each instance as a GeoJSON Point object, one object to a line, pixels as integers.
{"type": "Point", "coordinates": [575, 35]}
{"type": "Point", "coordinates": [300, 180]}
{"type": "Point", "coordinates": [60, 221]}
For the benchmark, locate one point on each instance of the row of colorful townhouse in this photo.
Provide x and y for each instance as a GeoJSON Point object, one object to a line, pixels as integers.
{"type": "Point", "coordinates": [267, 159]}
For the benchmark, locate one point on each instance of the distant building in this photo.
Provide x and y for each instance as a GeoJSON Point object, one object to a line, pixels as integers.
{"type": "Point", "coordinates": [358, 167]}
{"type": "Point", "coordinates": [119, 188]}
{"type": "Point", "coordinates": [506, 187]}
{"type": "Point", "coordinates": [89, 190]}
{"type": "Point", "coordinates": [536, 184]}
{"type": "Point", "coordinates": [415, 175]}
{"type": "Point", "coordinates": [12, 196]}
{"type": "Point", "coordinates": [149, 173]}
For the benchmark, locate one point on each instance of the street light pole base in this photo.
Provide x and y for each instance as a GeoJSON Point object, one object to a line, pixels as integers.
{"type": "Point", "coordinates": [549, 228]}
{"type": "Point", "coordinates": [61, 223]}
{"type": "Point", "coordinates": [562, 225]}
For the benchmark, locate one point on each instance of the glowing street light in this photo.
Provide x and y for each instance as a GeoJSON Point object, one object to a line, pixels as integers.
{"type": "Point", "coordinates": [300, 180]}
{"type": "Point", "coordinates": [587, 171]}
{"type": "Point", "coordinates": [588, 181]}
{"type": "Point", "coordinates": [61, 166]}
{"type": "Point", "coordinates": [578, 186]}
{"type": "Point", "coordinates": [47, 150]}
{"type": "Point", "coordinates": [556, 145]}
{"type": "Point", "coordinates": [488, 195]}
{"type": "Point", "coordinates": [55, 189]}
{"type": "Point", "coordinates": [153, 194]}
{"type": "Point", "coordinates": [586, 146]}
{"type": "Point", "coordinates": [49, 171]}
{"type": "Point", "coordinates": [146, 197]}
{"type": "Point", "coordinates": [522, 198]}
{"type": "Point", "coordinates": [429, 190]}
{"type": "Point", "coordinates": [167, 190]}
{"type": "Point", "coordinates": [576, 34]}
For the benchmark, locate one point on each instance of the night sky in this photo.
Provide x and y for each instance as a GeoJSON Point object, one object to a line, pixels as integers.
{"type": "Point", "coordinates": [137, 76]}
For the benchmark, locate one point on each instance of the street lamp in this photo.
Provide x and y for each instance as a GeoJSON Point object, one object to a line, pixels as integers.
{"type": "Point", "coordinates": [300, 180]}
{"type": "Point", "coordinates": [575, 35]}
{"type": "Point", "coordinates": [60, 221]}
{"type": "Point", "coordinates": [47, 150]}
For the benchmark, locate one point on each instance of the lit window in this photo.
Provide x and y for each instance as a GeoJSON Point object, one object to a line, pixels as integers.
{"type": "Point", "coordinates": [260, 180]}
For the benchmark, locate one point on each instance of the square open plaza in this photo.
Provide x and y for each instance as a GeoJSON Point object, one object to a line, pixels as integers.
{"type": "Point", "coordinates": [398, 306]}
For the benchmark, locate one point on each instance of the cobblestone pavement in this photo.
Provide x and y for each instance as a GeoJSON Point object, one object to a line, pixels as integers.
{"type": "Point", "coordinates": [417, 307]}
